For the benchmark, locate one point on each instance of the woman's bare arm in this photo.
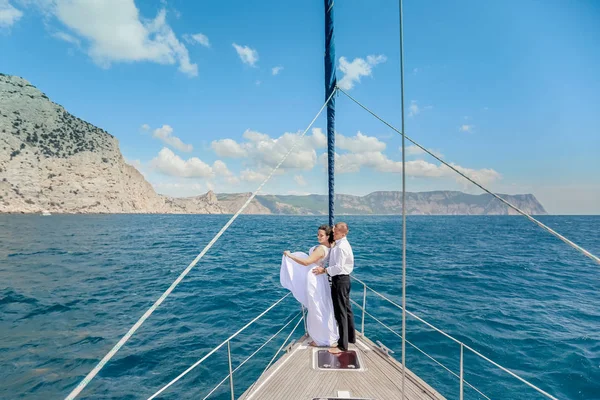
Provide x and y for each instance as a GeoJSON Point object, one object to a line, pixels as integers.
{"type": "Point", "coordinates": [313, 258]}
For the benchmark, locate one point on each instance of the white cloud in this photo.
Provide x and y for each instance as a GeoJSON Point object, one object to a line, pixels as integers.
{"type": "Point", "coordinates": [354, 70]}
{"type": "Point", "coordinates": [171, 164]}
{"type": "Point", "coordinates": [359, 143]}
{"type": "Point", "coordinates": [413, 150]}
{"type": "Point", "coordinates": [254, 136]}
{"type": "Point", "coordinates": [180, 189]}
{"type": "Point", "coordinates": [374, 60]}
{"type": "Point", "coordinates": [349, 163]}
{"type": "Point", "coordinates": [145, 127]}
{"type": "Point", "coordinates": [297, 193]}
{"type": "Point", "coordinates": [9, 15]}
{"type": "Point", "coordinates": [318, 139]}
{"type": "Point", "coordinates": [299, 179]}
{"type": "Point", "coordinates": [361, 151]}
{"type": "Point", "coordinates": [228, 148]}
{"type": "Point", "coordinates": [197, 38]}
{"type": "Point", "coordinates": [183, 187]}
{"type": "Point", "coordinates": [247, 55]}
{"type": "Point", "coordinates": [270, 152]}
{"type": "Point", "coordinates": [352, 162]}
{"type": "Point", "coordinates": [276, 70]}
{"type": "Point", "coordinates": [249, 175]}
{"type": "Point", "coordinates": [115, 32]}
{"type": "Point", "coordinates": [483, 176]}
{"type": "Point", "coordinates": [416, 151]}
{"type": "Point", "coordinates": [165, 134]}
{"type": "Point", "coordinates": [466, 128]}
{"type": "Point", "coordinates": [67, 38]}
{"type": "Point", "coordinates": [220, 168]}
{"type": "Point", "coordinates": [168, 163]}
{"type": "Point", "coordinates": [413, 108]}
{"type": "Point", "coordinates": [266, 152]}
{"type": "Point", "coordinates": [437, 153]}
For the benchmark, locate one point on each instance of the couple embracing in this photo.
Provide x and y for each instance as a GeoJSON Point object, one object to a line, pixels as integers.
{"type": "Point", "coordinates": [330, 321]}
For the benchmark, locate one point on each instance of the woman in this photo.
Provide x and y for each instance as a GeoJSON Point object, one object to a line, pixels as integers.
{"type": "Point", "coordinates": [312, 290]}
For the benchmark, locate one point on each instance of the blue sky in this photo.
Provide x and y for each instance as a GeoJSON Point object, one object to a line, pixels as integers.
{"type": "Point", "coordinates": [509, 91]}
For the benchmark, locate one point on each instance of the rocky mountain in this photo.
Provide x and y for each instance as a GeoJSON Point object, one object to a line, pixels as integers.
{"type": "Point", "coordinates": [232, 202]}
{"type": "Point", "coordinates": [51, 160]}
{"type": "Point", "coordinates": [387, 203]}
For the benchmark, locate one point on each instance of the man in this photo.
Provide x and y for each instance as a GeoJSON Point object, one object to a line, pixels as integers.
{"type": "Point", "coordinates": [341, 264]}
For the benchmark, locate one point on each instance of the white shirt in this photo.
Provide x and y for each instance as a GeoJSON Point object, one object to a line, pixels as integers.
{"type": "Point", "coordinates": [341, 258]}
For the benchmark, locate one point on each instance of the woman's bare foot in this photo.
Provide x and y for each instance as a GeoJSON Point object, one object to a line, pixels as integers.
{"type": "Point", "coordinates": [335, 350]}
{"type": "Point", "coordinates": [312, 343]}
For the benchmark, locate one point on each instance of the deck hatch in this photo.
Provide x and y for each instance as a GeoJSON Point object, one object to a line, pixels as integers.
{"type": "Point", "coordinates": [348, 360]}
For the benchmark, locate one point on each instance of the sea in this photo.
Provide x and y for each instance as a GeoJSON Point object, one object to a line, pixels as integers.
{"type": "Point", "coordinates": [72, 285]}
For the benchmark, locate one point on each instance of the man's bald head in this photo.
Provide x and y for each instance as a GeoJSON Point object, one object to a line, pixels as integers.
{"type": "Point", "coordinates": [340, 230]}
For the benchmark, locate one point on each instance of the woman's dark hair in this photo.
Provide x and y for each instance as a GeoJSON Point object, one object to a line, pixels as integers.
{"type": "Point", "coordinates": [328, 231]}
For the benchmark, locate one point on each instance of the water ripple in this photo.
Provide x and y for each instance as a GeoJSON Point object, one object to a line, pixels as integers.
{"type": "Point", "coordinates": [71, 286]}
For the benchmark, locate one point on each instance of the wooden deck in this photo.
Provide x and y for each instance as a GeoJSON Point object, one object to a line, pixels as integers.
{"type": "Point", "coordinates": [295, 377]}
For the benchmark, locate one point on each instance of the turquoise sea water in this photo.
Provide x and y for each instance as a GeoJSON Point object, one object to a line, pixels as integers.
{"type": "Point", "coordinates": [71, 286]}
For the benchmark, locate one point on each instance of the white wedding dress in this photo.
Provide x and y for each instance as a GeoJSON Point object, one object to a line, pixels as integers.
{"type": "Point", "coordinates": [314, 293]}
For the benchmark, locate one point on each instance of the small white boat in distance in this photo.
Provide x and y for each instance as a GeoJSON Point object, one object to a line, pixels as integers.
{"type": "Point", "coordinates": [46, 213]}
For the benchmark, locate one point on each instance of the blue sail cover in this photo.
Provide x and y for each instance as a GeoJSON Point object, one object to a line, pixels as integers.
{"type": "Point", "coordinates": [330, 83]}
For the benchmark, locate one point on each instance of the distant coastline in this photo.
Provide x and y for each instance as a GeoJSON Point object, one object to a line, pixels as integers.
{"type": "Point", "coordinates": [53, 161]}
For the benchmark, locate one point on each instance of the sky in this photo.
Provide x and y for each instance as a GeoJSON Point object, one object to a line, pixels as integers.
{"type": "Point", "coordinates": [209, 95]}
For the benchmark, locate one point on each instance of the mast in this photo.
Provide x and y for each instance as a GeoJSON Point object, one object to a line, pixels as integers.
{"type": "Point", "coordinates": [403, 201]}
{"type": "Point", "coordinates": [330, 85]}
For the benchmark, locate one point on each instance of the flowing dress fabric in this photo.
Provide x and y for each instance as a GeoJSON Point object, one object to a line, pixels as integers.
{"type": "Point", "coordinates": [314, 293]}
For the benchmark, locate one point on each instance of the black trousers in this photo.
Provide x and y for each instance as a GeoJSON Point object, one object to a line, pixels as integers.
{"type": "Point", "coordinates": [340, 294]}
